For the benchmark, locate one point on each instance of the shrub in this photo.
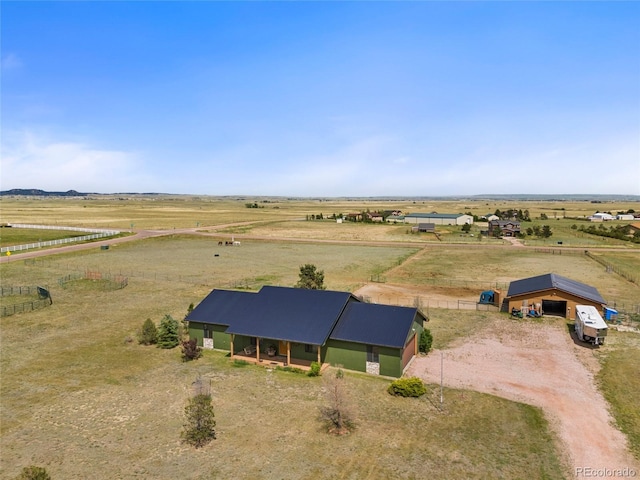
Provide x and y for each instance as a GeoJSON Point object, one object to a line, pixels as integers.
{"type": "Point", "coordinates": [407, 387]}
{"type": "Point", "coordinates": [148, 334]}
{"type": "Point", "coordinates": [315, 369]}
{"type": "Point", "coordinates": [33, 473]}
{"type": "Point", "coordinates": [191, 350]}
{"type": "Point", "coordinates": [425, 341]}
{"type": "Point", "coordinates": [338, 413]}
{"type": "Point", "coordinates": [168, 333]}
{"type": "Point", "coordinates": [199, 426]}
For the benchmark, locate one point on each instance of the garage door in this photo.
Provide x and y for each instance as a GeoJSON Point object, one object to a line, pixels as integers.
{"type": "Point", "coordinates": [554, 307]}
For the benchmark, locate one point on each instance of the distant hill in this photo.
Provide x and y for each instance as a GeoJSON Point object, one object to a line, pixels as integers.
{"type": "Point", "coordinates": [41, 193]}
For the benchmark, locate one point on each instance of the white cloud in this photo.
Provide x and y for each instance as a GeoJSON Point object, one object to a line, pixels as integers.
{"type": "Point", "coordinates": [32, 161]}
{"type": "Point", "coordinates": [11, 61]}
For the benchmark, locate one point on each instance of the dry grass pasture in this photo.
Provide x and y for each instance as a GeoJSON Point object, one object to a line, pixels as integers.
{"type": "Point", "coordinates": [81, 397]}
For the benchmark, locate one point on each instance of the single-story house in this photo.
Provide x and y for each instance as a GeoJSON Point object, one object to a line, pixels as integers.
{"type": "Point", "coordinates": [625, 216]}
{"type": "Point", "coordinates": [491, 216]}
{"type": "Point", "coordinates": [439, 218]}
{"type": "Point", "coordinates": [292, 326]}
{"type": "Point", "coordinates": [556, 295]}
{"type": "Point", "coordinates": [504, 228]}
{"type": "Point", "coordinates": [425, 227]}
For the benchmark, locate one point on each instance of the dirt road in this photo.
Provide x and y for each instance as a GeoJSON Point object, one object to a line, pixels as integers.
{"type": "Point", "coordinates": [540, 365]}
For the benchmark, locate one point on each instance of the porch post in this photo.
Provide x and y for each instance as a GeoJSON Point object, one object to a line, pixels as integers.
{"type": "Point", "coordinates": [257, 349]}
{"type": "Point", "coordinates": [288, 353]}
{"type": "Point", "coordinates": [231, 343]}
{"type": "Point", "coordinates": [319, 356]}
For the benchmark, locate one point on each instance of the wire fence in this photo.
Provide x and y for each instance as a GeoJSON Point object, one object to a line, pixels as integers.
{"type": "Point", "coordinates": [96, 234]}
{"type": "Point", "coordinates": [43, 300]}
{"type": "Point", "coordinates": [612, 268]}
{"type": "Point", "coordinates": [107, 281]}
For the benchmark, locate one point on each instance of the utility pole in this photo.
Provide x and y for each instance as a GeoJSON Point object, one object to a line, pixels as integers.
{"type": "Point", "coordinates": [441, 379]}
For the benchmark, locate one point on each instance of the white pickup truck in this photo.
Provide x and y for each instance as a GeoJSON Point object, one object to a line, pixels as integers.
{"type": "Point", "coordinates": [590, 327]}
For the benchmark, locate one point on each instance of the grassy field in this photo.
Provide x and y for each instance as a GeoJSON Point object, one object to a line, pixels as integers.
{"type": "Point", "coordinates": [620, 383]}
{"type": "Point", "coordinates": [82, 395]}
{"type": "Point", "coordinates": [77, 392]}
{"type": "Point", "coordinates": [19, 236]}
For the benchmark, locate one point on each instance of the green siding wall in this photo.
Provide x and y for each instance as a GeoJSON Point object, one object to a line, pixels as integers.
{"type": "Point", "coordinates": [390, 361]}
{"type": "Point", "coordinates": [353, 356]}
{"type": "Point", "coordinates": [221, 340]}
{"type": "Point", "coordinates": [196, 330]}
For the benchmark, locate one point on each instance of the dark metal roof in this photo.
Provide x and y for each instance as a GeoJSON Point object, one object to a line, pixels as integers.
{"type": "Point", "coordinates": [553, 281]}
{"type": "Point", "coordinates": [382, 325]}
{"type": "Point", "coordinates": [220, 307]}
{"type": "Point", "coordinates": [291, 314]}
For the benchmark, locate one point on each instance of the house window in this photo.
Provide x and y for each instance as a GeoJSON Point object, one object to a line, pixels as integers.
{"type": "Point", "coordinates": [207, 332]}
{"type": "Point", "coordinates": [311, 348]}
{"type": "Point", "coordinates": [372, 354]}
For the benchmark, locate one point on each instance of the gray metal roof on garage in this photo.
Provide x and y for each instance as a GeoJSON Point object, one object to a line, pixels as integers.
{"type": "Point", "coordinates": [291, 314]}
{"type": "Point", "coordinates": [553, 281]}
{"type": "Point", "coordinates": [371, 324]}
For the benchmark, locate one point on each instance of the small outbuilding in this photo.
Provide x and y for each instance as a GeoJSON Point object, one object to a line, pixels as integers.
{"type": "Point", "coordinates": [556, 295]}
{"type": "Point", "coordinates": [439, 218]}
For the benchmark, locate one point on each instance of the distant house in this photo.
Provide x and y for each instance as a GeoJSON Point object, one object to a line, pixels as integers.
{"type": "Point", "coordinates": [292, 326]}
{"type": "Point", "coordinates": [490, 216]}
{"type": "Point", "coordinates": [556, 295]}
{"type": "Point", "coordinates": [601, 217]}
{"type": "Point", "coordinates": [439, 218]}
{"type": "Point", "coordinates": [504, 228]}
{"type": "Point", "coordinates": [625, 216]}
{"type": "Point", "coordinates": [375, 217]}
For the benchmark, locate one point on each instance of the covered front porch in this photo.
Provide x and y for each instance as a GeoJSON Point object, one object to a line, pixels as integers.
{"type": "Point", "coordinates": [273, 352]}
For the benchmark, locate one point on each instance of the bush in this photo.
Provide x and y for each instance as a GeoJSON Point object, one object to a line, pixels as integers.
{"type": "Point", "coordinates": [199, 426]}
{"type": "Point", "coordinates": [315, 369]}
{"type": "Point", "coordinates": [33, 473]}
{"type": "Point", "coordinates": [148, 334]}
{"type": "Point", "coordinates": [168, 333]}
{"type": "Point", "coordinates": [191, 350]}
{"type": "Point", "coordinates": [407, 387]}
{"type": "Point", "coordinates": [425, 341]}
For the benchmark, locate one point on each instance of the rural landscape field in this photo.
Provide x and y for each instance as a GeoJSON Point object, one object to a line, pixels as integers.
{"type": "Point", "coordinates": [80, 397]}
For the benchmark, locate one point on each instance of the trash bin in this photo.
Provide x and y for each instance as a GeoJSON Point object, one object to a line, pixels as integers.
{"type": "Point", "coordinates": [610, 314]}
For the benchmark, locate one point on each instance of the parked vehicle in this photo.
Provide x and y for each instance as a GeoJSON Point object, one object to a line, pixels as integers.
{"type": "Point", "coordinates": [590, 327]}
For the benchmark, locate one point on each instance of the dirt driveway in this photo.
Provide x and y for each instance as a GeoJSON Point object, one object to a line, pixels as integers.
{"type": "Point", "coordinates": [540, 365]}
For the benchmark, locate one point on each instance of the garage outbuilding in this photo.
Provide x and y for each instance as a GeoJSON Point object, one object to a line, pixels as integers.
{"type": "Point", "coordinates": [554, 294]}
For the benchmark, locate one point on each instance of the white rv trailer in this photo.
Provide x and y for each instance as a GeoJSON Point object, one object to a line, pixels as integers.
{"type": "Point", "coordinates": [590, 327]}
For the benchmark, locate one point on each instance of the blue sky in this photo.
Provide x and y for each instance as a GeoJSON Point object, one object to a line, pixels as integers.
{"type": "Point", "coordinates": [321, 98]}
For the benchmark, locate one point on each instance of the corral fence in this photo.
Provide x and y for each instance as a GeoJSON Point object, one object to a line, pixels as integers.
{"type": "Point", "coordinates": [43, 300]}
{"type": "Point", "coordinates": [612, 268]}
{"type": "Point", "coordinates": [109, 282]}
{"type": "Point", "coordinates": [424, 303]}
{"type": "Point", "coordinates": [95, 234]}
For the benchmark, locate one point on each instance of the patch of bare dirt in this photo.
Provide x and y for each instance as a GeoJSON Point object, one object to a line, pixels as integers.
{"type": "Point", "coordinates": [539, 365]}
{"type": "Point", "coordinates": [396, 294]}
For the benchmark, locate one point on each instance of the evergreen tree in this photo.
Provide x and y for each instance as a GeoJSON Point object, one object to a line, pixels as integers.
{"type": "Point", "coordinates": [311, 278]}
{"type": "Point", "coordinates": [200, 423]}
{"type": "Point", "coordinates": [148, 334]}
{"type": "Point", "coordinates": [168, 333]}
